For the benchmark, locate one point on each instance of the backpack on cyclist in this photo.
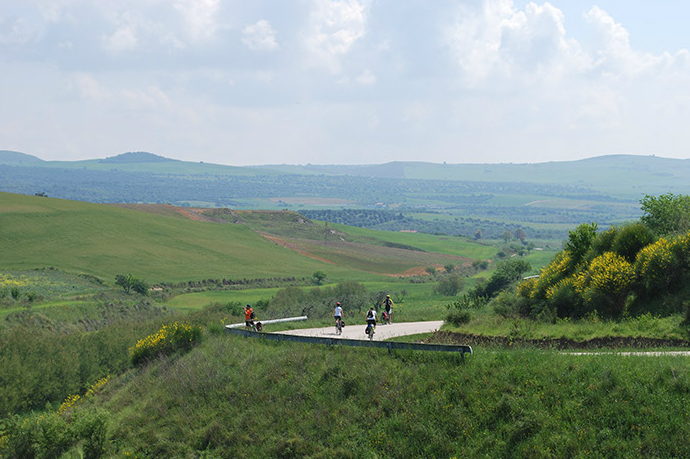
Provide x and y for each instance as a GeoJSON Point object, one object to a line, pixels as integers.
{"type": "Point", "coordinates": [253, 316]}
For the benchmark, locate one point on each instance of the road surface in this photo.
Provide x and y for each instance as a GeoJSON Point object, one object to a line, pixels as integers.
{"type": "Point", "coordinates": [383, 332]}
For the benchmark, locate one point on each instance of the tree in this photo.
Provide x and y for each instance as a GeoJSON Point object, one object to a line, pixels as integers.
{"type": "Point", "coordinates": [580, 240]}
{"type": "Point", "coordinates": [450, 267]}
{"type": "Point", "coordinates": [507, 236]}
{"type": "Point", "coordinates": [478, 235]}
{"type": "Point", "coordinates": [506, 273]}
{"type": "Point", "coordinates": [319, 277]}
{"type": "Point", "coordinates": [520, 235]}
{"type": "Point", "coordinates": [666, 214]}
{"type": "Point", "coordinates": [130, 282]}
{"type": "Point", "coordinates": [450, 285]}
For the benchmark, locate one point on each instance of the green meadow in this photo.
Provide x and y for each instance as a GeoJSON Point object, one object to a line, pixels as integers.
{"type": "Point", "coordinates": [71, 388]}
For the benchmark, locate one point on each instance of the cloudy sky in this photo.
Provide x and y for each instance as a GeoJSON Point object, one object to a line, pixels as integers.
{"type": "Point", "coordinates": [244, 82]}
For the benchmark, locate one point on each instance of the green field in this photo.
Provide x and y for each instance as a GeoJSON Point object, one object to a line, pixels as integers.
{"type": "Point", "coordinates": [72, 390]}
{"type": "Point", "coordinates": [105, 241]}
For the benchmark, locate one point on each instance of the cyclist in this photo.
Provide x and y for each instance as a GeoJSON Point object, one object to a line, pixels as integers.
{"type": "Point", "coordinates": [248, 317]}
{"type": "Point", "coordinates": [338, 314]}
{"type": "Point", "coordinates": [388, 305]}
{"type": "Point", "coordinates": [371, 319]}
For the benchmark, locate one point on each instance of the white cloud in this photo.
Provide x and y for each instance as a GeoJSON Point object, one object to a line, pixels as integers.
{"type": "Point", "coordinates": [124, 39]}
{"type": "Point", "coordinates": [334, 27]}
{"type": "Point", "coordinates": [89, 89]}
{"type": "Point", "coordinates": [504, 78]}
{"type": "Point", "coordinates": [19, 32]}
{"type": "Point", "coordinates": [148, 99]}
{"type": "Point", "coordinates": [366, 78]}
{"type": "Point", "coordinates": [199, 17]}
{"type": "Point", "coordinates": [260, 36]}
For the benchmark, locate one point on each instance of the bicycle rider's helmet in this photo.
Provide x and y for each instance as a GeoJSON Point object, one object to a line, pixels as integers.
{"type": "Point", "coordinates": [338, 303]}
{"type": "Point", "coordinates": [388, 296]}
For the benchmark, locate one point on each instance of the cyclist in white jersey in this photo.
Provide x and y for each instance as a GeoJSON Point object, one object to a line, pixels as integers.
{"type": "Point", "coordinates": [338, 312]}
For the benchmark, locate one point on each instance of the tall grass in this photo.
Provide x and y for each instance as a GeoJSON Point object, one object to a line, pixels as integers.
{"type": "Point", "coordinates": [233, 397]}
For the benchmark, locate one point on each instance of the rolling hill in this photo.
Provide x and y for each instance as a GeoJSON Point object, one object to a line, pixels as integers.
{"type": "Point", "coordinates": [544, 200]}
{"type": "Point", "coordinates": [166, 243]}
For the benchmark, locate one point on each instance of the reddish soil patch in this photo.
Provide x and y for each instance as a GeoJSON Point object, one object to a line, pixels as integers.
{"type": "Point", "coordinates": [192, 214]}
{"type": "Point", "coordinates": [290, 246]}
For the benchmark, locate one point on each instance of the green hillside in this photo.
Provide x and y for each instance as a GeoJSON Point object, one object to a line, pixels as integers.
{"type": "Point", "coordinates": [106, 240]}
{"type": "Point", "coordinates": [167, 244]}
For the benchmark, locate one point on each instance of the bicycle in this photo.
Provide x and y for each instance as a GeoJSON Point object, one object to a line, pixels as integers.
{"type": "Point", "coordinates": [339, 326]}
{"type": "Point", "coordinates": [370, 331]}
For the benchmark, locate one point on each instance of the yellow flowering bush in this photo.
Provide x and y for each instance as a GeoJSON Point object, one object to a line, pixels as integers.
{"type": "Point", "coordinates": [681, 251]}
{"type": "Point", "coordinates": [655, 265]}
{"type": "Point", "coordinates": [557, 270]}
{"type": "Point", "coordinates": [526, 287]}
{"type": "Point", "coordinates": [167, 340]}
{"type": "Point", "coordinates": [606, 283]}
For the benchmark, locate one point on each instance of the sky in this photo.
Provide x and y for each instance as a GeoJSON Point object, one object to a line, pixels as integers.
{"type": "Point", "coordinates": [258, 82]}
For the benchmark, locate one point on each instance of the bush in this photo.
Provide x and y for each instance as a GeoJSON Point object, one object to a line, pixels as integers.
{"type": "Point", "coordinates": [92, 427]}
{"type": "Point", "coordinates": [656, 267]}
{"type": "Point", "coordinates": [630, 239]}
{"type": "Point", "coordinates": [450, 285]}
{"type": "Point", "coordinates": [130, 282]}
{"type": "Point", "coordinates": [606, 283]}
{"type": "Point", "coordinates": [507, 272]}
{"type": "Point", "coordinates": [565, 298]}
{"type": "Point", "coordinates": [469, 301]}
{"type": "Point", "coordinates": [458, 318]}
{"type": "Point", "coordinates": [168, 340]}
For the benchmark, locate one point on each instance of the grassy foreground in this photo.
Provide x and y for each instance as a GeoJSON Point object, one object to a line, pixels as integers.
{"type": "Point", "coordinates": [236, 397]}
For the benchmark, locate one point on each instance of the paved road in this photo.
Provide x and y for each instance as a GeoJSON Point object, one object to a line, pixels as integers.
{"type": "Point", "coordinates": [383, 332]}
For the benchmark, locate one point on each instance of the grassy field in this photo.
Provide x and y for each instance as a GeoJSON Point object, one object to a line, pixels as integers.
{"type": "Point", "coordinates": [233, 397]}
{"type": "Point", "coordinates": [106, 240]}
{"type": "Point", "coordinates": [159, 244]}
{"type": "Point", "coordinates": [71, 390]}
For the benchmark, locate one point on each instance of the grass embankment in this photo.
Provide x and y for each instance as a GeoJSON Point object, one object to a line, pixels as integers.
{"type": "Point", "coordinates": [485, 322]}
{"type": "Point", "coordinates": [234, 397]}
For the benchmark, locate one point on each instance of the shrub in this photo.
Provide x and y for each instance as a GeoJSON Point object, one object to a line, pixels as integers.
{"type": "Point", "coordinates": [606, 283]}
{"type": "Point", "coordinates": [92, 427]}
{"type": "Point", "coordinates": [130, 282]}
{"type": "Point", "coordinates": [565, 298]}
{"type": "Point", "coordinates": [507, 272]}
{"type": "Point", "coordinates": [580, 240]}
{"type": "Point", "coordinates": [630, 239]}
{"type": "Point", "coordinates": [509, 305]}
{"type": "Point", "coordinates": [470, 300]}
{"type": "Point", "coordinates": [458, 318]}
{"type": "Point", "coordinates": [450, 285]}
{"type": "Point", "coordinates": [603, 242]}
{"type": "Point", "coordinates": [168, 340]}
{"type": "Point", "coordinates": [655, 266]}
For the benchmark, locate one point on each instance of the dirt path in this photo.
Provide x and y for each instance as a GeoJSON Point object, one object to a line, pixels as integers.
{"type": "Point", "coordinates": [383, 332]}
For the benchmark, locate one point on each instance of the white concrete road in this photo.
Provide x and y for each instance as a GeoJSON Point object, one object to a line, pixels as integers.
{"type": "Point", "coordinates": [383, 332]}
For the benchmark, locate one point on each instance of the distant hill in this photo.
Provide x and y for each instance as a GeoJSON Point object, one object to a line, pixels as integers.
{"type": "Point", "coordinates": [15, 157]}
{"type": "Point", "coordinates": [545, 200]}
{"type": "Point", "coordinates": [136, 157]}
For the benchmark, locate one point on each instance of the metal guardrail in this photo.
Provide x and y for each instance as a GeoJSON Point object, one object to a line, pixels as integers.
{"type": "Point", "coordinates": [390, 345]}
{"type": "Point", "coordinates": [270, 321]}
